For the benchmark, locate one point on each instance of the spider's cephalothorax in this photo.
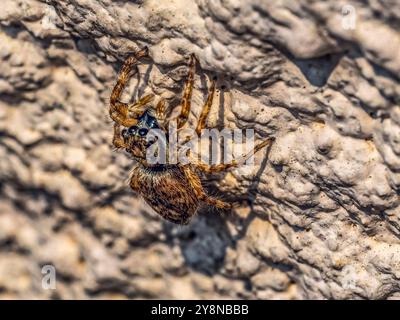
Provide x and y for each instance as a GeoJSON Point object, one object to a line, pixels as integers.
{"type": "Point", "coordinates": [135, 137]}
{"type": "Point", "coordinates": [173, 191]}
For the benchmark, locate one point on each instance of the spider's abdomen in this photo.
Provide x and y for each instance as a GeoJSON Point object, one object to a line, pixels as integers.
{"type": "Point", "coordinates": [167, 191]}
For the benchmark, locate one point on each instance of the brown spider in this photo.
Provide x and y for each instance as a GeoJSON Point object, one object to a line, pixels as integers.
{"type": "Point", "coordinates": [173, 191]}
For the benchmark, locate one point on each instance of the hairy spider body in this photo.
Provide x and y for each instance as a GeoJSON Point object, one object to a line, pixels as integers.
{"type": "Point", "coordinates": [165, 189]}
{"type": "Point", "coordinates": [174, 191]}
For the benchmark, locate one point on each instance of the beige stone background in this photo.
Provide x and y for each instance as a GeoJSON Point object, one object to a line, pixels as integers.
{"type": "Point", "coordinates": [320, 212]}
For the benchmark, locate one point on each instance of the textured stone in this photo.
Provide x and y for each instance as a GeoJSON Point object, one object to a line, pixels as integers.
{"type": "Point", "coordinates": [320, 213]}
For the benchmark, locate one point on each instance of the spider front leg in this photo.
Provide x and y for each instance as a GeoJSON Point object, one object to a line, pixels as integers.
{"type": "Point", "coordinates": [119, 111]}
{"type": "Point", "coordinates": [135, 109]}
{"type": "Point", "coordinates": [187, 94]}
{"type": "Point", "coordinates": [161, 115]}
{"type": "Point", "coordinates": [201, 123]}
{"type": "Point", "coordinates": [118, 141]}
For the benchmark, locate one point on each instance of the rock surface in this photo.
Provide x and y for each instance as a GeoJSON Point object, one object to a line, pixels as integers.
{"type": "Point", "coordinates": [320, 214]}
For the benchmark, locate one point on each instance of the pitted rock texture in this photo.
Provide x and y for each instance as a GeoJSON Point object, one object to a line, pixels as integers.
{"type": "Point", "coordinates": [320, 212]}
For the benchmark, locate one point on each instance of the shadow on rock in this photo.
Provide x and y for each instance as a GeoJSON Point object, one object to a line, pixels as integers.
{"type": "Point", "coordinates": [203, 242]}
{"type": "Point", "coordinates": [318, 70]}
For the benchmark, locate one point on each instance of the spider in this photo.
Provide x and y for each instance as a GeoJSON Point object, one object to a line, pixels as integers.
{"type": "Point", "coordinates": [174, 191]}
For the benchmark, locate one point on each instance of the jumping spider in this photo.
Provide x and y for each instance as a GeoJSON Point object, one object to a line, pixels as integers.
{"type": "Point", "coordinates": [173, 191]}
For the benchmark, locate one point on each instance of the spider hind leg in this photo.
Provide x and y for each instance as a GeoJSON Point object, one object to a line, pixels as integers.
{"type": "Point", "coordinates": [234, 163]}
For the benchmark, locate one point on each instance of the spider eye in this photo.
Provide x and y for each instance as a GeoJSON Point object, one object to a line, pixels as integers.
{"type": "Point", "coordinates": [124, 131]}
{"type": "Point", "coordinates": [132, 130]}
{"type": "Point", "coordinates": [142, 117]}
{"type": "Point", "coordinates": [152, 122]}
{"type": "Point", "coordinates": [143, 131]}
